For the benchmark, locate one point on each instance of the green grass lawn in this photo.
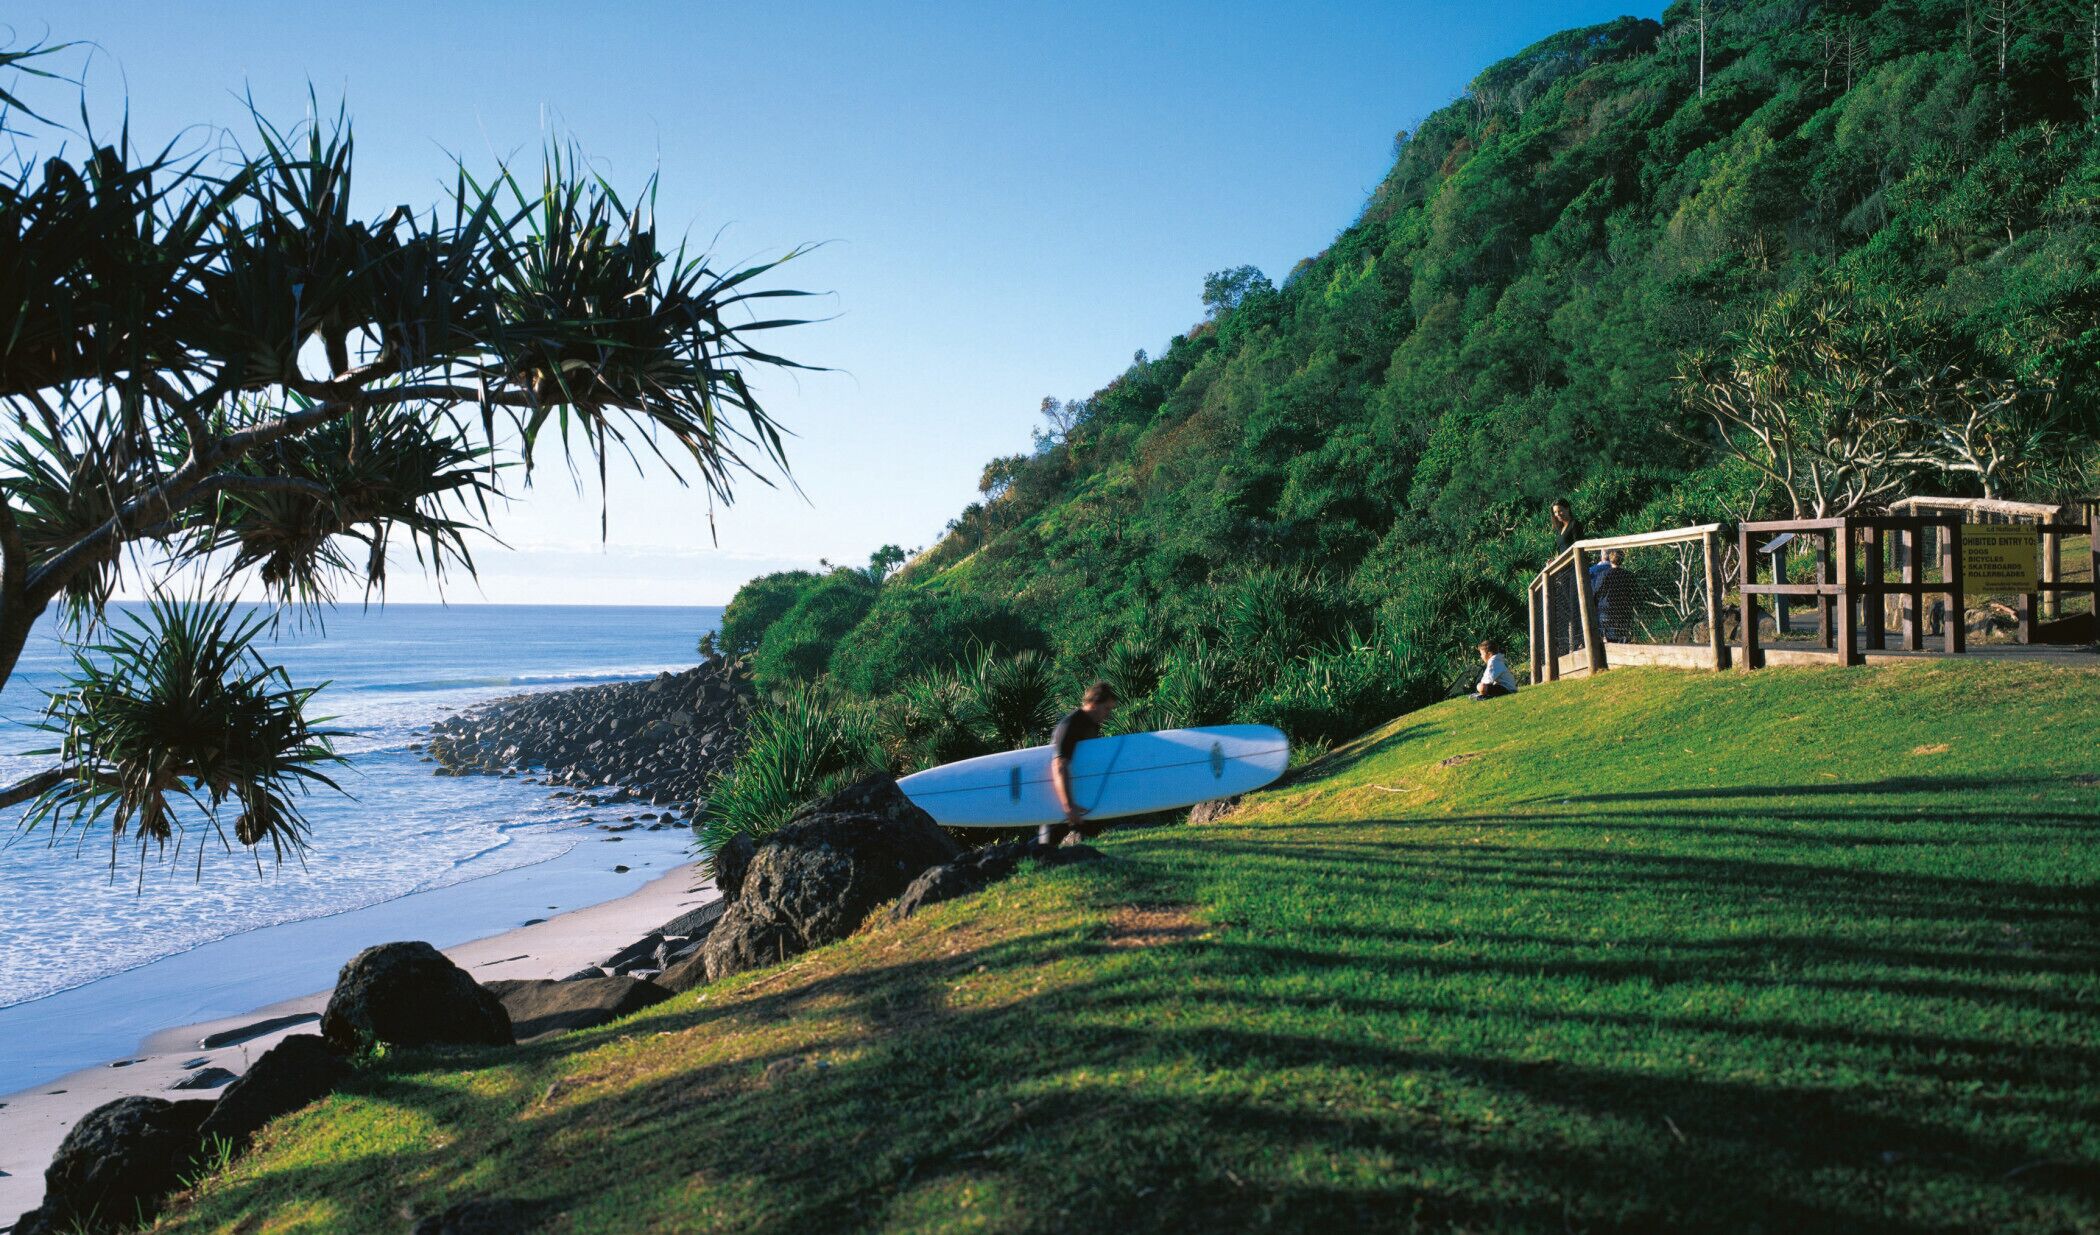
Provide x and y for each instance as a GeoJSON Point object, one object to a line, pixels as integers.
{"type": "Point", "coordinates": [1796, 950]}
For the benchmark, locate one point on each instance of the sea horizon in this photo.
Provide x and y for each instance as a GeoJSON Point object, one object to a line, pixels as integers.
{"type": "Point", "coordinates": [73, 916]}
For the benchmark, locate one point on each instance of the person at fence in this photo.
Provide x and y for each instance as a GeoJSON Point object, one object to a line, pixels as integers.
{"type": "Point", "coordinates": [1611, 586]}
{"type": "Point", "coordinates": [1495, 678]}
{"type": "Point", "coordinates": [1083, 722]}
{"type": "Point", "coordinates": [1566, 635]}
{"type": "Point", "coordinates": [1567, 529]}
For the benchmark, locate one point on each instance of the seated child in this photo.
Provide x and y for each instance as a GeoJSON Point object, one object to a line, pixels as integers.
{"type": "Point", "coordinates": [1495, 679]}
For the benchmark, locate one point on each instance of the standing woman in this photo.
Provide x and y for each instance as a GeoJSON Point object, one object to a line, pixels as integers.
{"type": "Point", "coordinates": [1566, 635]}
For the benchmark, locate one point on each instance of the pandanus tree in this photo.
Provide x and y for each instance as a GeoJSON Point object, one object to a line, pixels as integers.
{"type": "Point", "coordinates": [213, 369]}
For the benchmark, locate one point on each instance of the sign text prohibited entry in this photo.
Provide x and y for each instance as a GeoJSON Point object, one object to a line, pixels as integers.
{"type": "Point", "coordinates": [1998, 558]}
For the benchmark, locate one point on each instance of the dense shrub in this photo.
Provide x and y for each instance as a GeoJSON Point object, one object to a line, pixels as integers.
{"type": "Point", "coordinates": [802, 744]}
{"type": "Point", "coordinates": [796, 648]}
{"type": "Point", "coordinates": [930, 720]}
{"type": "Point", "coordinates": [1134, 667]}
{"type": "Point", "coordinates": [1370, 443]}
{"type": "Point", "coordinates": [1197, 687]}
{"type": "Point", "coordinates": [1013, 700]}
{"type": "Point", "coordinates": [1333, 695]}
{"type": "Point", "coordinates": [757, 605]}
{"type": "Point", "coordinates": [912, 630]}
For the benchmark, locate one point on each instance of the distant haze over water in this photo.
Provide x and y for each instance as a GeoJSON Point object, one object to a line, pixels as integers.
{"type": "Point", "coordinates": [67, 918]}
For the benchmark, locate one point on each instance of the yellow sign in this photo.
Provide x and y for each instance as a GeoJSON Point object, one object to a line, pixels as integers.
{"type": "Point", "coordinates": [1998, 559]}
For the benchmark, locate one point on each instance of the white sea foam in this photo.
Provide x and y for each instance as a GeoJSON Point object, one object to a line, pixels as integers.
{"type": "Point", "coordinates": [75, 910]}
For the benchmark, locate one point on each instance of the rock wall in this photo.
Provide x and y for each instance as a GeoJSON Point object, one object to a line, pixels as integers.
{"type": "Point", "coordinates": [662, 740]}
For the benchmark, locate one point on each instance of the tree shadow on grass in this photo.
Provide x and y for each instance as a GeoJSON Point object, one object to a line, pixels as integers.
{"type": "Point", "coordinates": [1362, 1072]}
{"type": "Point", "coordinates": [1336, 762]}
{"type": "Point", "coordinates": [1927, 786]}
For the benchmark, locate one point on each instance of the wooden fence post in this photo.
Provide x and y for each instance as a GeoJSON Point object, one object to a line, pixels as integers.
{"type": "Point", "coordinates": [1747, 564]}
{"type": "Point", "coordinates": [2052, 572]}
{"type": "Point", "coordinates": [1909, 556]}
{"type": "Point", "coordinates": [1782, 610]}
{"type": "Point", "coordinates": [1546, 609]}
{"type": "Point", "coordinates": [1586, 605]}
{"type": "Point", "coordinates": [2092, 549]}
{"type": "Point", "coordinates": [1825, 542]}
{"type": "Point", "coordinates": [1957, 593]}
{"type": "Point", "coordinates": [1538, 666]}
{"type": "Point", "coordinates": [1873, 602]}
{"type": "Point", "coordinates": [1716, 638]}
{"type": "Point", "coordinates": [1847, 632]}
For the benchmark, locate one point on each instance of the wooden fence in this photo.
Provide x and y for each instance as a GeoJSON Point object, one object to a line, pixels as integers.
{"type": "Point", "coordinates": [1563, 609]}
{"type": "Point", "coordinates": [1852, 587]}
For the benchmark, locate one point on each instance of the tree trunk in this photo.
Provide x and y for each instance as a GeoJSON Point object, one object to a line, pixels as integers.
{"type": "Point", "coordinates": [1702, 48]}
{"type": "Point", "coordinates": [18, 616]}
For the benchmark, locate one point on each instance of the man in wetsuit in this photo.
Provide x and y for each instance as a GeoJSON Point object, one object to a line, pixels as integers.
{"type": "Point", "coordinates": [1095, 708]}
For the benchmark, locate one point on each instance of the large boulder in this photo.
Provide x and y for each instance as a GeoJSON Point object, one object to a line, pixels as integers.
{"type": "Point", "coordinates": [116, 1166]}
{"type": "Point", "coordinates": [941, 883]}
{"type": "Point", "coordinates": [729, 863]}
{"type": "Point", "coordinates": [410, 994]}
{"type": "Point", "coordinates": [539, 1008]}
{"type": "Point", "coordinates": [818, 877]}
{"type": "Point", "coordinates": [297, 1071]}
{"type": "Point", "coordinates": [694, 923]}
{"type": "Point", "coordinates": [685, 973]}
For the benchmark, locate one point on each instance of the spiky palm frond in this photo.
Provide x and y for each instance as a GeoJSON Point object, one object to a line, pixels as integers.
{"type": "Point", "coordinates": [368, 477]}
{"type": "Point", "coordinates": [17, 60]}
{"type": "Point", "coordinates": [929, 721]}
{"type": "Point", "coordinates": [99, 266]}
{"type": "Point", "coordinates": [1197, 686]}
{"type": "Point", "coordinates": [1012, 699]}
{"type": "Point", "coordinates": [58, 497]}
{"type": "Point", "coordinates": [807, 742]}
{"type": "Point", "coordinates": [177, 705]}
{"type": "Point", "coordinates": [1133, 667]}
{"type": "Point", "coordinates": [624, 341]}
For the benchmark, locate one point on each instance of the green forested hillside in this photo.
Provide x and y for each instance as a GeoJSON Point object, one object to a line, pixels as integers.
{"type": "Point", "coordinates": [1878, 219]}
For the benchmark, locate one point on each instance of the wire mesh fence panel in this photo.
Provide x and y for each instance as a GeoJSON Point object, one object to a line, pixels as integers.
{"type": "Point", "coordinates": [1564, 634]}
{"type": "Point", "coordinates": [1651, 594]}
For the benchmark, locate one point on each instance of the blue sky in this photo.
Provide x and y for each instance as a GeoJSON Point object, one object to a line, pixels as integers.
{"type": "Point", "coordinates": [1015, 199]}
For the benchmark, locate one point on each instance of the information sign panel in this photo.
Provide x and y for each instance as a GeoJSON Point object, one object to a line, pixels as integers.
{"type": "Point", "coordinates": [1999, 559]}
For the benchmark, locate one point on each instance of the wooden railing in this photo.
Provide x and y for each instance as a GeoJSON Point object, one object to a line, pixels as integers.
{"type": "Point", "coordinates": [1550, 603]}
{"type": "Point", "coordinates": [1851, 588]}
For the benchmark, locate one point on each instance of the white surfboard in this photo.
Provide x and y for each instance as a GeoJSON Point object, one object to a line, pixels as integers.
{"type": "Point", "coordinates": [1111, 777]}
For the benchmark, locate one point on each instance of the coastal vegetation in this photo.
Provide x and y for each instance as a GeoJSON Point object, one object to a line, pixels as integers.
{"type": "Point", "coordinates": [216, 370]}
{"type": "Point", "coordinates": [1766, 258]}
{"type": "Point", "coordinates": [1801, 950]}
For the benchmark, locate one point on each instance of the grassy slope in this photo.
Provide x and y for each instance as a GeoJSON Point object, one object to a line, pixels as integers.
{"type": "Point", "coordinates": [1806, 949]}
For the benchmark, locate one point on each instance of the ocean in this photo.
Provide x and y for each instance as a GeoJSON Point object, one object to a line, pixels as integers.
{"type": "Point", "coordinates": [69, 914]}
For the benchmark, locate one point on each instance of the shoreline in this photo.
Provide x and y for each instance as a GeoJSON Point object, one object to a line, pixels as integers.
{"type": "Point", "coordinates": [174, 1003]}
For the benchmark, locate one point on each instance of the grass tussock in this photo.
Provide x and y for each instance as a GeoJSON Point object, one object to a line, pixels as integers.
{"type": "Point", "coordinates": [1655, 952]}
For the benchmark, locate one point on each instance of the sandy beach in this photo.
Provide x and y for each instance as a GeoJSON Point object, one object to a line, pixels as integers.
{"type": "Point", "coordinates": [185, 999]}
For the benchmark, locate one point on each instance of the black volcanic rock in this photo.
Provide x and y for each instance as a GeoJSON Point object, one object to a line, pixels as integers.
{"type": "Point", "coordinates": [662, 741]}
{"type": "Point", "coordinates": [116, 1166]}
{"type": "Point", "coordinates": [299, 1070]}
{"type": "Point", "coordinates": [411, 994]}
{"type": "Point", "coordinates": [818, 877]}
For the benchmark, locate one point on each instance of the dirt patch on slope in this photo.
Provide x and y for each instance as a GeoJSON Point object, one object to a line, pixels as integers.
{"type": "Point", "coordinates": [1151, 926]}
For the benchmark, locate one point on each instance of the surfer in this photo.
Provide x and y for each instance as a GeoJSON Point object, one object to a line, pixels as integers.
{"type": "Point", "coordinates": [1084, 722]}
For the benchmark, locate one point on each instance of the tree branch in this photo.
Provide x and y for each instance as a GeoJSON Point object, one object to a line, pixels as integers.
{"type": "Point", "coordinates": [237, 482]}
{"type": "Point", "coordinates": [30, 786]}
